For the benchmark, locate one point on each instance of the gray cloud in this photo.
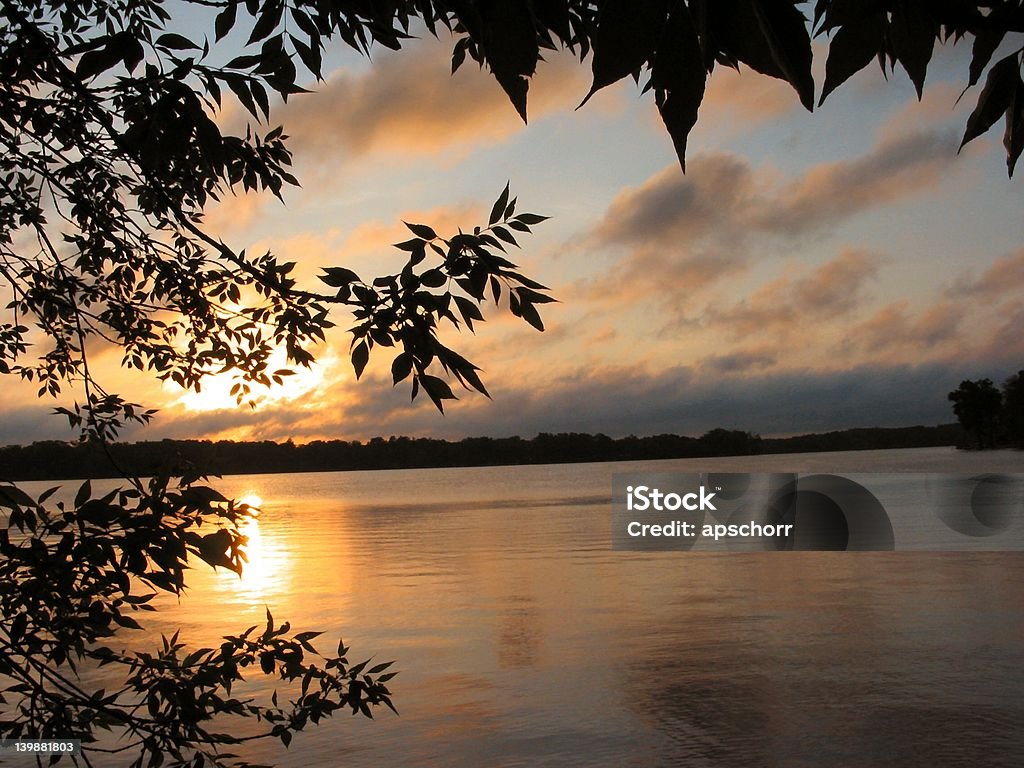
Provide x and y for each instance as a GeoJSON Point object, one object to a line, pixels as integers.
{"type": "Point", "coordinates": [680, 231]}
{"type": "Point", "coordinates": [894, 169]}
{"type": "Point", "coordinates": [616, 401]}
{"type": "Point", "coordinates": [623, 401]}
{"type": "Point", "coordinates": [671, 208]}
{"type": "Point", "coordinates": [20, 426]}
{"type": "Point", "coordinates": [697, 229]}
{"type": "Point", "coordinates": [741, 361]}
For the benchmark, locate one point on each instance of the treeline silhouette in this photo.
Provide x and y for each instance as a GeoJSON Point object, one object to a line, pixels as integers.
{"type": "Point", "coordinates": [54, 460]}
{"type": "Point", "coordinates": [990, 417]}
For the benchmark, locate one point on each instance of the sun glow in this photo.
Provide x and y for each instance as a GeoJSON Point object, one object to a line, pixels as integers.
{"type": "Point", "coordinates": [218, 391]}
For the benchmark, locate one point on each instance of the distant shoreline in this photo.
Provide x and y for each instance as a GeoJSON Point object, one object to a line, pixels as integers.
{"type": "Point", "coordinates": [54, 460]}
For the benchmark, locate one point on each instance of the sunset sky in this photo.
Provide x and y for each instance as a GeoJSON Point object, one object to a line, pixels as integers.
{"type": "Point", "coordinates": [808, 273]}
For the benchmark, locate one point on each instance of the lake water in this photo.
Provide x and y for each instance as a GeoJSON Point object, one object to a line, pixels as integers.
{"type": "Point", "coordinates": [522, 639]}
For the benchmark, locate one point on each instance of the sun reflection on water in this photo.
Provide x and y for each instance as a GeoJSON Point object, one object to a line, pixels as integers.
{"type": "Point", "coordinates": [252, 500]}
{"type": "Point", "coordinates": [267, 569]}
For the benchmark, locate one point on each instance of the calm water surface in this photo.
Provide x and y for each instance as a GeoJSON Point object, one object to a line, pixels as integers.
{"type": "Point", "coordinates": [522, 639]}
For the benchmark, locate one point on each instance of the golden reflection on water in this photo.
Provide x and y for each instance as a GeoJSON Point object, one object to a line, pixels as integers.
{"type": "Point", "coordinates": [520, 633]}
{"type": "Point", "coordinates": [268, 566]}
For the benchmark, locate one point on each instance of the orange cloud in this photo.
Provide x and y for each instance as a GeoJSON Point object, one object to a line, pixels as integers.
{"type": "Point", "coordinates": [408, 103]}
{"type": "Point", "coordinates": [937, 105]}
{"type": "Point", "coordinates": [234, 215]}
{"type": "Point", "coordinates": [894, 328]}
{"type": "Point", "coordinates": [739, 101]}
{"type": "Point", "coordinates": [788, 304]}
{"type": "Point", "coordinates": [1007, 342]}
{"type": "Point", "coordinates": [373, 237]}
{"type": "Point", "coordinates": [1005, 276]}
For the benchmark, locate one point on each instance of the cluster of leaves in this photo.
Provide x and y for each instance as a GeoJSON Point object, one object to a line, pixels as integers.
{"type": "Point", "coordinates": [676, 44]}
{"type": "Point", "coordinates": [906, 31]}
{"type": "Point", "coordinates": [443, 279]}
{"type": "Point", "coordinates": [73, 575]}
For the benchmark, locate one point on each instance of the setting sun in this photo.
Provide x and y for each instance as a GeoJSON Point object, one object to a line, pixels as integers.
{"type": "Point", "coordinates": [218, 393]}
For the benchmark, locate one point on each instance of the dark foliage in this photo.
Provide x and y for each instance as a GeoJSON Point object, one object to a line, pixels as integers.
{"type": "Point", "coordinates": [1013, 409]}
{"type": "Point", "coordinates": [109, 154]}
{"type": "Point", "coordinates": [74, 576]}
{"type": "Point", "coordinates": [987, 420]}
